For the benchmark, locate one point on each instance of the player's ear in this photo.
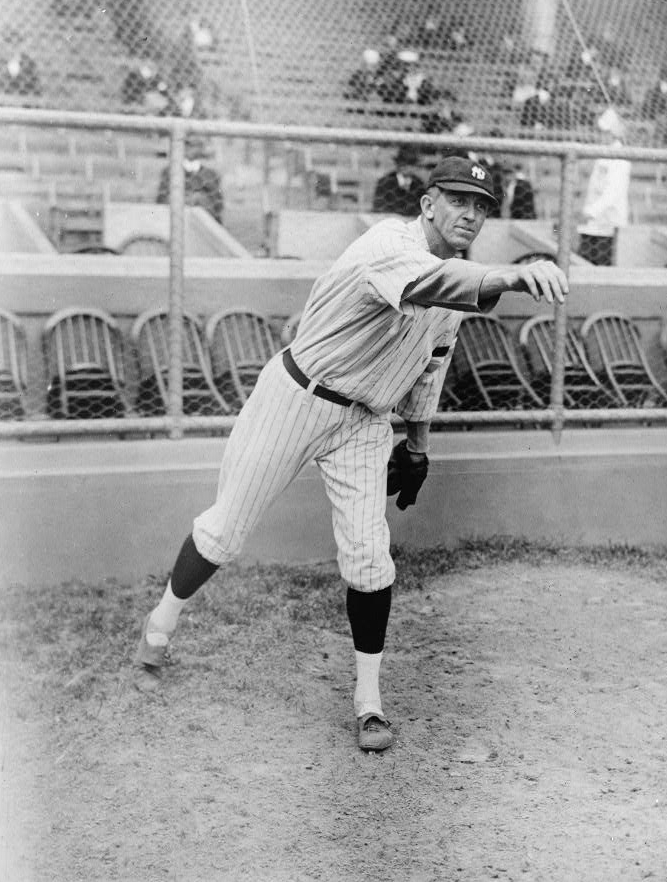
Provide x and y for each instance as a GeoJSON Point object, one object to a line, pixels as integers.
{"type": "Point", "coordinates": [426, 203]}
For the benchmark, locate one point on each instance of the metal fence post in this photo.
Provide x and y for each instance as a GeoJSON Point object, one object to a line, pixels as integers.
{"type": "Point", "coordinates": [568, 168]}
{"type": "Point", "coordinates": [176, 278]}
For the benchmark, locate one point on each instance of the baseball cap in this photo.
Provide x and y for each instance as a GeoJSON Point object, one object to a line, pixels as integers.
{"type": "Point", "coordinates": [463, 176]}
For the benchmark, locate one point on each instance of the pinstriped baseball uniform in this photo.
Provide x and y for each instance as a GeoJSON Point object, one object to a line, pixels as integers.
{"type": "Point", "coordinates": [375, 329]}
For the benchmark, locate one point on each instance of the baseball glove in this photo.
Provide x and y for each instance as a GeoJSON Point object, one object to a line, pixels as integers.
{"type": "Point", "coordinates": [405, 474]}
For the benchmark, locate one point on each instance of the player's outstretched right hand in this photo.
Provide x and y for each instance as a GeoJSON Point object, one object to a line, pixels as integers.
{"type": "Point", "coordinates": [542, 279]}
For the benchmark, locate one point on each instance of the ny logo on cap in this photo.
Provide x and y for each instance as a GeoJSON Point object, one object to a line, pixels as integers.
{"type": "Point", "coordinates": [478, 172]}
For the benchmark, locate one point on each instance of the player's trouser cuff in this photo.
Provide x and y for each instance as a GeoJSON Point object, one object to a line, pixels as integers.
{"type": "Point", "coordinates": [209, 547]}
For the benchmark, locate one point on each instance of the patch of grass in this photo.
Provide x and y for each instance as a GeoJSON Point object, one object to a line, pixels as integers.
{"type": "Point", "coordinates": [414, 566]}
{"type": "Point", "coordinates": [82, 633]}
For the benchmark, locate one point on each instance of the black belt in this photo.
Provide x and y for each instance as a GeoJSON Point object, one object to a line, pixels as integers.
{"type": "Point", "coordinates": [321, 391]}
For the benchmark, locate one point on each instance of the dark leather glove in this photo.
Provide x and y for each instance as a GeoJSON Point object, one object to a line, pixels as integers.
{"type": "Point", "coordinates": [406, 472]}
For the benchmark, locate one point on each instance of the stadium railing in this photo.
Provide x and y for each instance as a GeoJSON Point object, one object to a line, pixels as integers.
{"type": "Point", "coordinates": [174, 423]}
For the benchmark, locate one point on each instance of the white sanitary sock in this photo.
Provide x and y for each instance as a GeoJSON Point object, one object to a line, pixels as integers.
{"type": "Point", "coordinates": [164, 618]}
{"type": "Point", "coordinates": [367, 691]}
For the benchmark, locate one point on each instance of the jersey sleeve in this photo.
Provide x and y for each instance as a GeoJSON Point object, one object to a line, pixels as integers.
{"type": "Point", "coordinates": [393, 273]}
{"type": "Point", "coordinates": [453, 283]}
{"type": "Point", "coordinates": [420, 404]}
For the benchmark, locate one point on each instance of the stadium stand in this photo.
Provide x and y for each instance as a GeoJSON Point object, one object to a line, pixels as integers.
{"type": "Point", "coordinates": [307, 200]}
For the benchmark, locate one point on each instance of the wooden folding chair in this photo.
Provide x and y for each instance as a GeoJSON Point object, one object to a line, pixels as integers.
{"type": "Point", "coordinates": [582, 389]}
{"type": "Point", "coordinates": [145, 246]}
{"type": "Point", "coordinates": [486, 374]}
{"type": "Point", "coordinates": [449, 400]}
{"type": "Point", "coordinates": [13, 366]}
{"type": "Point", "coordinates": [614, 349]}
{"type": "Point", "coordinates": [240, 342]}
{"type": "Point", "coordinates": [532, 256]}
{"type": "Point", "coordinates": [83, 348]}
{"type": "Point", "coordinates": [150, 335]}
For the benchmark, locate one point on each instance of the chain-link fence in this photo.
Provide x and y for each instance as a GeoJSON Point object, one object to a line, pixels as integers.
{"type": "Point", "coordinates": [302, 123]}
{"type": "Point", "coordinates": [172, 370]}
{"type": "Point", "coordinates": [590, 71]}
{"type": "Point", "coordinates": [520, 67]}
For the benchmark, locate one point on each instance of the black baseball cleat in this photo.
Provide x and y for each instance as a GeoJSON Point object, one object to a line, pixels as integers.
{"type": "Point", "coordinates": [374, 732]}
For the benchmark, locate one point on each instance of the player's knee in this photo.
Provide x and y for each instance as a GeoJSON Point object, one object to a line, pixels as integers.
{"type": "Point", "coordinates": [220, 547]}
{"type": "Point", "coordinates": [367, 576]}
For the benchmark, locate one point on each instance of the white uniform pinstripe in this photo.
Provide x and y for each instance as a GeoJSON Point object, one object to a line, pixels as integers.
{"type": "Point", "coordinates": [369, 332]}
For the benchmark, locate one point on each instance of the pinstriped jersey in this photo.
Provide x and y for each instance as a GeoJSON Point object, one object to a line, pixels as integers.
{"type": "Point", "coordinates": [373, 324]}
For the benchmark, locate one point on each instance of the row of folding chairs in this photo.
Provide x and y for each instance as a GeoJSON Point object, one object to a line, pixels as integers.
{"type": "Point", "coordinates": [85, 356]}
{"type": "Point", "coordinates": [605, 365]}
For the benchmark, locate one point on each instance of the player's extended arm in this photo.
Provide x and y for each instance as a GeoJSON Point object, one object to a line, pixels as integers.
{"type": "Point", "coordinates": [467, 286]}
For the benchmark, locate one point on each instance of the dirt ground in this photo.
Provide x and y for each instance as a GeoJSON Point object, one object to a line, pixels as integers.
{"type": "Point", "coordinates": [527, 690]}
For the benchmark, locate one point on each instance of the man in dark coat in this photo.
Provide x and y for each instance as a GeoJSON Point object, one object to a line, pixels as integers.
{"type": "Point", "coordinates": [400, 190]}
{"type": "Point", "coordinates": [202, 183]}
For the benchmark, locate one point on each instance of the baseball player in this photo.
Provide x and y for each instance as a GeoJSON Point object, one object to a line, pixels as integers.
{"type": "Point", "coordinates": [376, 335]}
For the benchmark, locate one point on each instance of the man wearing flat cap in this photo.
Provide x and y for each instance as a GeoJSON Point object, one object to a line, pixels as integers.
{"type": "Point", "coordinates": [375, 337]}
{"type": "Point", "coordinates": [400, 190]}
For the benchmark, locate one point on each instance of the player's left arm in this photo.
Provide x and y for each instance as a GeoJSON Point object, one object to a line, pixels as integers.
{"type": "Point", "coordinates": [407, 469]}
{"type": "Point", "coordinates": [408, 464]}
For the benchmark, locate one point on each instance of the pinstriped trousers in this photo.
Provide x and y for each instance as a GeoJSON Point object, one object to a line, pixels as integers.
{"type": "Point", "coordinates": [282, 428]}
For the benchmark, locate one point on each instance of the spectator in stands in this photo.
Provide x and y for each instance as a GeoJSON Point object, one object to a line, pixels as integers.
{"type": "Point", "coordinates": [389, 65]}
{"type": "Point", "coordinates": [407, 83]}
{"type": "Point", "coordinates": [606, 205]}
{"type": "Point", "coordinates": [19, 70]}
{"type": "Point", "coordinates": [519, 195]}
{"type": "Point", "coordinates": [655, 100]}
{"type": "Point", "coordinates": [202, 34]}
{"type": "Point", "coordinates": [400, 191]}
{"type": "Point", "coordinates": [185, 75]}
{"type": "Point", "coordinates": [616, 86]}
{"type": "Point", "coordinates": [145, 87]}
{"type": "Point", "coordinates": [428, 34]}
{"type": "Point", "coordinates": [580, 68]}
{"type": "Point", "coordinates": [536, 110]}
{"type": "Point", "coordinates": [398, 76]}
{"type": "Point", "coordinates": [362, 85]}
{"type": "Point", "coordinates": [202, 183]}
{"type": "Point", "coordinates": [655, 104]}
{"type": "Point", "coordinates": [459, 37]}
{"type": "Point", "coordinates": [445, 117]}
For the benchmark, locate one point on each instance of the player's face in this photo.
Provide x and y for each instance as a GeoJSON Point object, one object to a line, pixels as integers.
{"type": "Point", "coordinates": [458, 217]}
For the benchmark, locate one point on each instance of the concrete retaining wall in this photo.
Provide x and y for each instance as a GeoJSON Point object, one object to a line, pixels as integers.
{"type": "Point", "coordinates": [120, 509]}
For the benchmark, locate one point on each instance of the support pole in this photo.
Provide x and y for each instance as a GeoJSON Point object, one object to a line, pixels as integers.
{"type": "Point", "coordinates": [176, 278]}
{"type": "Point", "coordinates": [568, 168]}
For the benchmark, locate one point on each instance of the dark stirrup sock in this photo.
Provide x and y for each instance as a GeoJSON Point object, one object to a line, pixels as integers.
{"type": "Point", "coordinates": [190, 571]}
{"type": "Point", "coordinates": [368, 612]}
